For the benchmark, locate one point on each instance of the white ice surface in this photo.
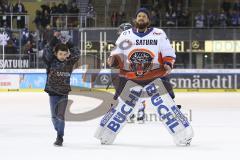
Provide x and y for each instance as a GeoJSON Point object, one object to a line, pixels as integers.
{"type": "Point", "coordinates": [26, 131]}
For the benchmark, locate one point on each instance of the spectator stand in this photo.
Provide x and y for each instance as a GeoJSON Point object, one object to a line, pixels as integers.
{"type": "Point", "coordinates": [13, 16]}
{"type": "Point", "coordinates": [21, 45]}
{"type": "Point", "coordinates": [199, 14]}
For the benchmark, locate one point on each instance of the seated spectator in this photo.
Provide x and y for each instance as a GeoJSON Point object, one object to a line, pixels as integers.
{"type": "Point", "coordinates": [47, 34]}
{"type": "Point", "coordinates": [28, 48]}
{"type": "Point", "coordinates": [38, 19]}
{"type": "Point", "coordinates": [7, 8]}
{"type": "Point", "coordinates": [114, 19]}
{"type": "Point", "coordinates": [234, 18]}
{"type": "Point", "coordinates": [15, 40]}
{"type": "Point", "coordinates": [10, 48]}
{"type": "Point", "coordinates": [26, 36]}
{"type": "Point", "coordinates": [46, 7]}
{"type": "Point", "coordinates": [154, 19]}
{"type": "Point", "coordinates": [90, 10]}
{"type": "Point", "coordinates": [59, 23]}
{"type": "Point", "coordinates": [226, 6]}
{"type": "Point", "coordinates": [62, 7]}
{"type": "Point", "coordinates": [222, 19]}
{"type": "Point", "coordinates": [54, 8]}
{"type": "Point", "coordinates": [145, 4]}
{"type": "Point", "coordinates": [11, 7]}
{"type": "Point", "coordinates": [121, 17]}
{"type": "Point", "coordinates": [183, 20]}
{"type": "Point", "coordinates": [1, 9]}
{"type": "Point", "coordinates": [179, 10]}
{"type": "Point", "coordinates": [199, 20]}
{"type": "Point", "coordinates": [210, 19]}
{"type": "Point", "coordinates": [46, 19]}
{"type": "Point", "coordinates": [157, 6]}
{"type": "Point", "coordinates": [73, 8]}
{"type": "Point", "coordinates": [170, 17]}
{"type": "Point", "coordinates": [73, 20]}
{"type": "Point", "coordinates": [236, 5]}
{"type": "Point", "coordinates": [90, 15]}
{"type": "Point", "coordinates": [1, 17]}
{"type": "Point", "coordinates": [19, 8]}
{"type": "Point", "coordinates": [169, 4]}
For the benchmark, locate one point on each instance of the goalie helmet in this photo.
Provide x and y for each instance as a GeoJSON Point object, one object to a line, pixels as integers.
{"type": "Point", "coordinates": [123, 27]}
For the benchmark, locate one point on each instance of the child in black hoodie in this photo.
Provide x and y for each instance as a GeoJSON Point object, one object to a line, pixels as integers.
{"type": "Point", "coordinates": [60, 58]}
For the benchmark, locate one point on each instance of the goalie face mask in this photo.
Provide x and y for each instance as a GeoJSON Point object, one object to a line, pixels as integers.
{"type": "Point", "coordinates": [140, 62]}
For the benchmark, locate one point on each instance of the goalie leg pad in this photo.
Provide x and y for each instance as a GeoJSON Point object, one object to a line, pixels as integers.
{"type": "Point", "coordinates": [172, 118]}
{"type": "Point", "coordinates": [115, 119]}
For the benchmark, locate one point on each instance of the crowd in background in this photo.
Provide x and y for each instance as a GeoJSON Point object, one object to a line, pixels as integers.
{"type": "Point", "coordinates": [43, 16]}
{"type": "Point", "coordinates": [117, 18]}
{"type": "Point", "coordinates": [163, 13]}
{"type": "Point", "coordinates": [29, 42]}
{"type": "Point", "coordinates": [228, 16]}
{"type": "Point", "coordinates": [6, 7]}
{"type": "Point", "coordinates": [24, 38]}
{"type": "Point", "coordinates": [178, 13]}
{"type": "Point", "coordinates": [168, 12]}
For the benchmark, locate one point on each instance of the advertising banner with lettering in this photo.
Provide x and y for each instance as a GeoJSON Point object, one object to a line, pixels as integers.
{"type": "Point", "coordinates": [9, 81]}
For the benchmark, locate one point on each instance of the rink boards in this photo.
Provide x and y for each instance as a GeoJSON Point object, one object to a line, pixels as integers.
{"type": "Point", "coordinates": [183, 80]}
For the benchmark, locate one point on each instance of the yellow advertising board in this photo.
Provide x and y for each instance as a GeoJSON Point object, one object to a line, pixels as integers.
{"type": "Point", "coordinates": [228, 46]}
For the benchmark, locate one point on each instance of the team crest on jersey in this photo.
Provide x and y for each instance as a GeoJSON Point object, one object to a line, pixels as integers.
{"type": "Point", "coordinates": [140, 61]}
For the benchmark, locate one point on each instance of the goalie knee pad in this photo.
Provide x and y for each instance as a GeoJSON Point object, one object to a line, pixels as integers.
{"type": "Point", "coordinates": [115, 119]}
{"type": "Point", "coordinates": [172, 118]}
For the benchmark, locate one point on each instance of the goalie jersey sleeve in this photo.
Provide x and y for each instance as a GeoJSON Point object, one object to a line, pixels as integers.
{"type": "Point", "coordinates": [118, 51]}
{"type": "Point", "coordinates": [166, 51]}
